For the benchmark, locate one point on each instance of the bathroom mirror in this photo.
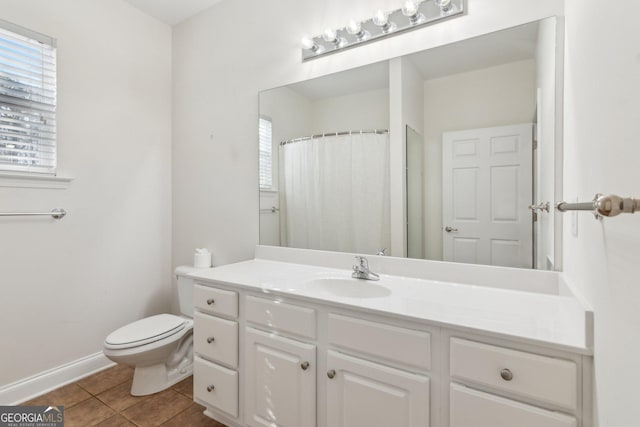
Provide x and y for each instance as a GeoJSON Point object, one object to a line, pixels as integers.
{"type": "Point", "coordinates": [447, 154]}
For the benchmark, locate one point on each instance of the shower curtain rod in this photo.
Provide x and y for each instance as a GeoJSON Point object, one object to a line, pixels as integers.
{"type": "Point", "coordinates": [348, 132]}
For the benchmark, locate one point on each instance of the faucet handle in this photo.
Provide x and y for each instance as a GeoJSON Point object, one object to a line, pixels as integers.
{"type": "Point", "coordinates": [362, 261]}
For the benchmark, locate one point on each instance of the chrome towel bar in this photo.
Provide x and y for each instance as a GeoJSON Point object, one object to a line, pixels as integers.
{"type": "Point", "coordinates": [57, 213]}
{"type": "Point", "coordinates": [610, 205]}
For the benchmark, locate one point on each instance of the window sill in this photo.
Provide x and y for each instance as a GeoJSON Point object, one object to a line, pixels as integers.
{"type": "Point", "coordinates": [18, 180]}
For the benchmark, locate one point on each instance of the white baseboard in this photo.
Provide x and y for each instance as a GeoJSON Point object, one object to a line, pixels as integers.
{"type": "Point", "coordinates": [28, 388]}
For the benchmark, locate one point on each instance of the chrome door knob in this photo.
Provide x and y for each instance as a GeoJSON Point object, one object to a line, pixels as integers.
{"type": "Point", "coordinates": [210, 388]}
{"type": "Point", "coordinates": [211, 301]}
{"type": "Point", "coordinates": [304, 366]}
{"type": "Point", "coordinates": [506, 374]}
{"type": "Point", "coordinates": [331, 374]}
{"type": "Point", "coordinates": [449, 229]}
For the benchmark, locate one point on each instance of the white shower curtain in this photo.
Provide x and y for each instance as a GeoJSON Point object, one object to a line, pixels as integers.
{"type": "Point", "coordinates": [335, 193]}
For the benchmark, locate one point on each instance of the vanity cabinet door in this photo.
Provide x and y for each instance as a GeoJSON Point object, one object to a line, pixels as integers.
{"type": "Point", "coordinates": [365, 394]}
{"type": "Point", "coordinates": [280, 381]}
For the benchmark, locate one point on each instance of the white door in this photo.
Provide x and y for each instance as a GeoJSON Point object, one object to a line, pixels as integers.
{"type": "Point", "coordinates": [487, 179]}
{"type": "Point", "coordinates": [472, 408]}
{"type": "Point", "coordinates": [280, 381]}
{"type": "Point", "coordinates": [365, 394]}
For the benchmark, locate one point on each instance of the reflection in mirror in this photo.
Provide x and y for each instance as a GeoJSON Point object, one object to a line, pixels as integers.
{"type": "Point", "coordinates": [431, 155]}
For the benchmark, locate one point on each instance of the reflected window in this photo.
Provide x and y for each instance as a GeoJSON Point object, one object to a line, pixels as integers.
{"type": "Point", "coordinates": [265, 135]}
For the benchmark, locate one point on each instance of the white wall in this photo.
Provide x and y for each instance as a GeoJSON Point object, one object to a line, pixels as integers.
{"type": "Point", "coordinates": [495, 96]}
{"type": "Point", "coordinates": [362, 110]}
{"type": "Point", "coordinates": [67, 284]}
{"type": "Point", "coordinates": [602, 148]}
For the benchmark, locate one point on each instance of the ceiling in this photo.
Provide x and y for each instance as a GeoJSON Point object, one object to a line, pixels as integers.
{"type": "Point", "coordinates": [172, 12]}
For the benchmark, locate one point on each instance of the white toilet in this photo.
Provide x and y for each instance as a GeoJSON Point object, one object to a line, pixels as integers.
{"type": "Point", "coordinates": [160, 347]}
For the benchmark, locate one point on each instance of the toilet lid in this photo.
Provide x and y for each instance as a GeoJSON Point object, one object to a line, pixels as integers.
{"type": "Point", "coordinates": [146, 330]}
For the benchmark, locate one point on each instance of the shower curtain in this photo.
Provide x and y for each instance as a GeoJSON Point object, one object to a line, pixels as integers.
{"type": "Point", "coordinates": [335, 193]}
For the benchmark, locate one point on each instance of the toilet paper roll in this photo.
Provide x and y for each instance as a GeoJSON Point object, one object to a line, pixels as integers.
{"type": "Point", "coordinates": [202, 259]}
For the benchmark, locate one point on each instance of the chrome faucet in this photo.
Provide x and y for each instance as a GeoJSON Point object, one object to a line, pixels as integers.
{"type": "Point", "coordinates": [361, 270]}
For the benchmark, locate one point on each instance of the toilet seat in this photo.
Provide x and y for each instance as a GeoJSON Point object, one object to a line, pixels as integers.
{"type": "Point", "coordinates": [145, 331]}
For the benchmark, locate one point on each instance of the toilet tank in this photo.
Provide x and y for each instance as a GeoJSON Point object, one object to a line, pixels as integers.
{"type": "Point", "coordinates": [185, 289]}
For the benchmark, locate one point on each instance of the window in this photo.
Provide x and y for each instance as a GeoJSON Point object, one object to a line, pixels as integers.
{"type": "Point", "coordinates": [27, 100]}
{"type": "Point", "coordinates": [266, 153]}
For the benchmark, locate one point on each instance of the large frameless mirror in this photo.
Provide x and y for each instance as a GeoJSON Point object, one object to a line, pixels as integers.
{"type": "Point", "coordinates": [446, 154]}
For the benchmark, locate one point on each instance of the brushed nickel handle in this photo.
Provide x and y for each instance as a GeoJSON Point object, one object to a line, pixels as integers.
{"type": "Point", "coordinates": [449, 229]}
{"type": "Point", "coordinates": [304, 366]}
{"type": "Point", "coordinates": [211, 301]}
{"type": "Point", "coordinates": [210, 388]}
{"type": "Point", "coordinates": [331, 374]}
{"type": "Point", "coordinates": [210, 340]}
{"type": "Point", "coordinates": [506, 374]}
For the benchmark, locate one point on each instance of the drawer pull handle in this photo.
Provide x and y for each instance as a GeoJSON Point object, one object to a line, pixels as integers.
{"type": "Point", "coordinates": [211, 301]}
{"type": "Point", "coordinates": [331, 374]}
{"type": "Point", "coordinates": [210, 340]}
{"type": "Point", "coordinates": [506, 374]}
{"type": "Point", "coordinates": [210, 388]}
{"type": "Point", "coordinates": [304, 366]}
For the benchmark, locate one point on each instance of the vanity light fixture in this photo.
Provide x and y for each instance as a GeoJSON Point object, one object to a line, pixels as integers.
{"type": "Point", "coordinates": [413, 14]}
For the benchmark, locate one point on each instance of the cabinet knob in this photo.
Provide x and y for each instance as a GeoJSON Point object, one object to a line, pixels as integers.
{"type": "Point", "coordinates": [331, 374]}
{"type": "Point", "coordinates": [304, 366]}
{"type": "Point", "coordinates": [210, 388]}
{"type": "Point", "coordinates": [211, 301]}
{"type": "Point", "coordinates": [210, 340]}
{"type": "Point", "coordinates": [506, 374]}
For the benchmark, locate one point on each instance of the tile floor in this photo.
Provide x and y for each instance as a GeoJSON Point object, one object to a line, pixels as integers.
{"type": "Point", "coordinates": [103, 399]}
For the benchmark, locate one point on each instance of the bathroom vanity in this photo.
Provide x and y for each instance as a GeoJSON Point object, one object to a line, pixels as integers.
{"type": "Point", "coordinates": [290, 339]}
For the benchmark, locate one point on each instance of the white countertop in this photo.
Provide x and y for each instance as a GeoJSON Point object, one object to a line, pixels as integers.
{"type": "Point", "coordinates": [551, 320]}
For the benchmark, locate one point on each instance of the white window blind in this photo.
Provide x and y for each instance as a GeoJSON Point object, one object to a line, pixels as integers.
{"type": "Point", "coordinates": [27, 100]}
{"type": "Point", "coordinates": [266, 153]}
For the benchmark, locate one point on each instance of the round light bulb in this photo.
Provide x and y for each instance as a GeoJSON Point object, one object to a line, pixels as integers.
{"type": "Point", "coordinates": [308, 44]}
{"type": "Point", "coordinates": [410, 8]}
{"type": "Point", "coordinates": [381, 19]}
{"type": "Point", "coordinates": [444, 5]}
{"type": "Point", "coordinates": [354, 27]}
{"type": "Point", "coordinates": [329, 35]}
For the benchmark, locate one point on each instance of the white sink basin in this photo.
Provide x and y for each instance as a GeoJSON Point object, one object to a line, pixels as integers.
{"type": "Point", "coordinates": [350, 288]}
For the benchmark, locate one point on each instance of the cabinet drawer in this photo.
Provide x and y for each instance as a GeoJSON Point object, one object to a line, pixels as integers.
{"type": "Point", "coordinates": [529, 375]}
{"type": "Point", "coordinates": [215, 301]}
{"type": "Point", "coordinates": [282, 317]}
{"type": "Point", "coordinates": [216, 386]}
{"type": "Point", "coordinates": [216, 338]}
{"type": "Point", "coordinates": [472, 408]}
{"type": "Point", "coordinates": [392, 343]}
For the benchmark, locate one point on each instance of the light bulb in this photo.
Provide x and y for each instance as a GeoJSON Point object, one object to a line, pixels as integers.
{"type": "Point", "coordinates": [381, 19]}
{"type": "Point", "coordinates": [444, 5]}
{"type": "Point", "coordinates": [329, 35]}
{"type": "Point", "coordinates": [309, 44]}
{"type": "Point", "coordinates": [354, 27]}
{"type": "Point", "coordinates": [410, 8]}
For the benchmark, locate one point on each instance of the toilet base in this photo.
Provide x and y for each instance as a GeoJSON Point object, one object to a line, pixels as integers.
{"type": "Point", "coordinates": [155, 378]}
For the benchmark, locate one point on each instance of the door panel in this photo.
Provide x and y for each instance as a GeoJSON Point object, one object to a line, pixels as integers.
{"type": "Point", "coordinates": [366, 394]}
{"type": "Point", "coordinates": [487, 188]}
{"type": "Point", "coordinates": [279, 391]}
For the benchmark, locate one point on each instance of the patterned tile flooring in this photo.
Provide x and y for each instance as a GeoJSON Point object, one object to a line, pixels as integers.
{"type": "Point", "coordinates": [103, 399]}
